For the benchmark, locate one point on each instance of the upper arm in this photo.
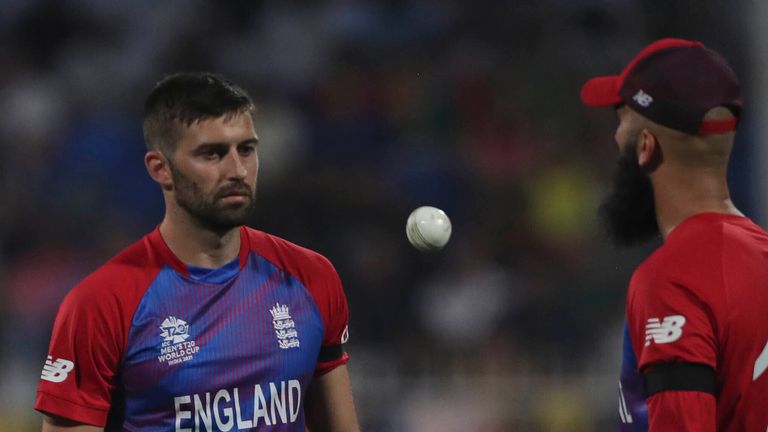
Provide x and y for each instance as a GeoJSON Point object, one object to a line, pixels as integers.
{"type": "Point", "coordinates": [681, 411]}
{"type": "Point", "coordinates": [327, 291]}
{"type": "Point", "coordinates": [58, 424]}
{"type": "Point", "coordinates": [674, 335]}
{"type": "Point", "coordinates": [78, 378]}
{"type": "Point", "coordinates": [672, 322]}
{"type": "Point", "coordinates": [329, 403]}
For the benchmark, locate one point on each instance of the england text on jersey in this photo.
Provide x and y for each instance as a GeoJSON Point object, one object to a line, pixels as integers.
{"type": "Point", "coordinates": [223, 409]}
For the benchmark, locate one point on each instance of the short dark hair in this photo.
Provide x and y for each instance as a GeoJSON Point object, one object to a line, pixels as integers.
{"type": "Point", "coordinates": [186, 98]}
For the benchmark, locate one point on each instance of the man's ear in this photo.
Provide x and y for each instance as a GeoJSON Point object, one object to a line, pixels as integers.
{"type": "Point", "coordinates": [159, 168]}
{"type": "Point", "coordinates": [648, 151]}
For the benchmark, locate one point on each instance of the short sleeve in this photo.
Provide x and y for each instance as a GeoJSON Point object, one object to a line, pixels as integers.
{"type": "Point", "coordinates": [78, 377]}
{"type": "Point", "coordinates": [332, 302]}
{"type": "Point", "coordinates": [670, 322]}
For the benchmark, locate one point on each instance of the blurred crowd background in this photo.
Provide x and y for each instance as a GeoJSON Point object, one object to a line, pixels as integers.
{"type": "Point", "coordinates": [366, 110]}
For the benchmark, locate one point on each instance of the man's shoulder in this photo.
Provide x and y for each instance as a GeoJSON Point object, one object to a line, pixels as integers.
{"type": "Point", "coordinates": [709, 231]}
{"type": "Point", "coordinates": [270, 245]}
{"type": "Point", "coordinates": [694, 254]}
{"type": "Point", "coordinates": [130, 269]}
{"type": "Point", "coordinates": [297, 260]}
{"type": "Point", "coordinates": [694, 245]}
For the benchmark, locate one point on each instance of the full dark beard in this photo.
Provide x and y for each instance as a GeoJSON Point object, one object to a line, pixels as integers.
{"type": "Point", "coordinates": [206, 210]}
{"type": "Point", "coordinates": [629, 211]}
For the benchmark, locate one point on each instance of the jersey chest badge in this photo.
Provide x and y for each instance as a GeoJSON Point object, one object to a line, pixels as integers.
{"type": "Point", "coordinates": [176, 348]}
{"type": "Point", "coordinates": [285, 327]}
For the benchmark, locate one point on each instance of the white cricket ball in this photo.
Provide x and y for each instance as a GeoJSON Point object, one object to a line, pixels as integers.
{"type": "Point", "coordinates": [428, 228]}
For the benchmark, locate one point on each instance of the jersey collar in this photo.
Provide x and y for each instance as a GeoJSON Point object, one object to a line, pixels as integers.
{"type": "Point", "coordinates": [159, 245]}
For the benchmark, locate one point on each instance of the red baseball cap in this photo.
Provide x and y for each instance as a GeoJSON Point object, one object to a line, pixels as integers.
{"type": "Point", "coordinates": [673, 82]}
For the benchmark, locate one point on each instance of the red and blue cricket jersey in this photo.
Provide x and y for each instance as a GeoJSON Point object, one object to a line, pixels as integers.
{"type": "Point", "coordinates": [149, 343]}
{"type": "Point", "coordinates": [701, 299]}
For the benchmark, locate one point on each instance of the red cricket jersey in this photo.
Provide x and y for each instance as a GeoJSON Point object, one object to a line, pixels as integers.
{"type": "Point", "coordinates": [703, 298]}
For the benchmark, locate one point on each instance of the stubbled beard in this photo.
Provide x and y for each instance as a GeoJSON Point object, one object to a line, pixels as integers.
{"type": "Point", "coordinates": [207, 210]}
{"type": "Point", "coordinates": [629, 211]}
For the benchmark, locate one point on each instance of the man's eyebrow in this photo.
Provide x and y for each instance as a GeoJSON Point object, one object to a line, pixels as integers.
{"type": "Point", "coordinates": [254, 141]}
{"type": "Point", "coordinates": [217, 144]}
{"type": "Point", "coordinates": [210, 146]}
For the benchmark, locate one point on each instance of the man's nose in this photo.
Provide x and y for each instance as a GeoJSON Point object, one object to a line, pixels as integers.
{"type": "Point", "coordinates": [238, 169]}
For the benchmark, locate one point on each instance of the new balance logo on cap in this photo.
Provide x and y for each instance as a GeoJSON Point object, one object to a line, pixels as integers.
{"type": "Point", "coordinates": [643, 99]}
{"type": "Point", "coordinates": [56, 371]}
{"type": "Point", "coordinates": [666, 331]}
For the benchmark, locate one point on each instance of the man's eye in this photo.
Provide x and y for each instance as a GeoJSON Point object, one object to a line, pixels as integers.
{"type": "Point", "coordinates": [210, 154]}
{"type": "Point", "coordinates": [246, 150]}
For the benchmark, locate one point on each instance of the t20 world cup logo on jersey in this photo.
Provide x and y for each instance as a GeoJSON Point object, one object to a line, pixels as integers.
{"type": "Point", "coordinates": [174, 329]}
{"type": "Point", "coordinates": [175, 348]}
{"type": "Point", "coordinates": [285, 327]}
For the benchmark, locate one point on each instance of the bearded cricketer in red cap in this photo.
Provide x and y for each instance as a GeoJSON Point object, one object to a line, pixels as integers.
{"type": "Point", "coordinates": [696, 340]}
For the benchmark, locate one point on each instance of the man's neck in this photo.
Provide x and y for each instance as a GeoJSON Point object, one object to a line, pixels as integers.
{"type": "Point", "coordinates": [197, 246]}
{"type": "Point", "coordinates": [678, 198]}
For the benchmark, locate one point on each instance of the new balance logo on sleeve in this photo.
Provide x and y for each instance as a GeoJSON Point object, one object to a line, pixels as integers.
{"type": "Point", "coordinates": [666, 331]}
{"type": "Point", "coordinates": [56, 371]}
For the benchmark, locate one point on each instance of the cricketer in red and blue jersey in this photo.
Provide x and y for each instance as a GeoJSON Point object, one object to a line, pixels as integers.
{"type": "Point", "coordinates": [149, 343]}
{"type": "Point", "coordinates": [204, 324]}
